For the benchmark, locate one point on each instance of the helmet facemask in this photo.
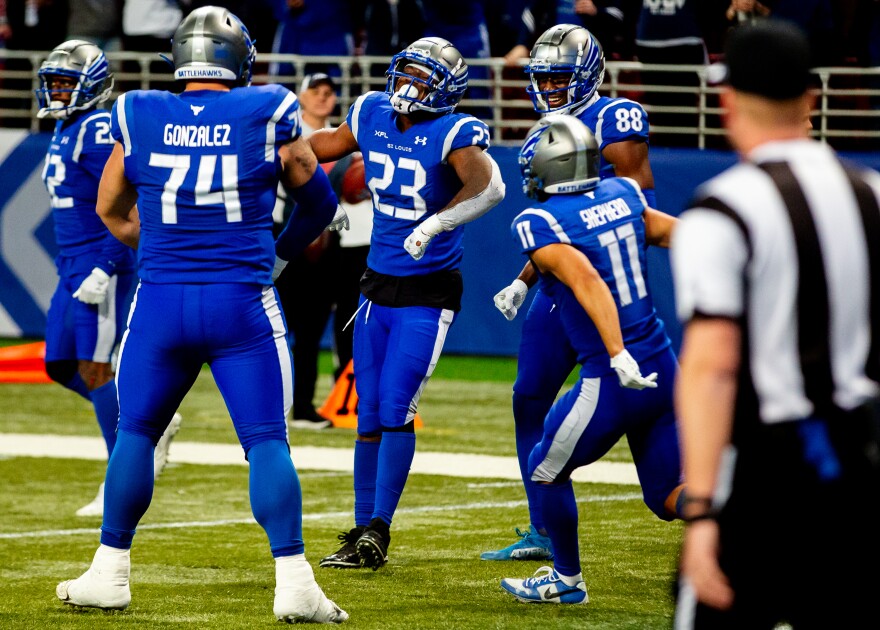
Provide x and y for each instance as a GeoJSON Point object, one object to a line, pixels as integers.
{"type": "Point", "coordinates": [85, 67]}
{"type": "Point", "coordinates": [570, 51]}
{"type": "Point", "coordinates": [430, 75]}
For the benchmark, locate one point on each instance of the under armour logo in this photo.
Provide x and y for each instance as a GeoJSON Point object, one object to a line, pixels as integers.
{"type": "Point", "coordinates": [422, 140]}
{"type": "Point", "coordinates": [197, 109]}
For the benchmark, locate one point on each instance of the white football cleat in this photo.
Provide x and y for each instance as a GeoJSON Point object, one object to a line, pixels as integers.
{"type": "Point", "coordinates": [160, 455]}
{"type": "Point", "coordinates": [96, 507]}
{"type": "Point", "coordinates": [104, 585]}
{"type": "Point", "coordinates": [298, 598]}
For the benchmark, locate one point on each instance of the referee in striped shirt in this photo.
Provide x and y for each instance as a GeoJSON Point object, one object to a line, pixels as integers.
{"type": "Point", "coordinates": [777, 278]}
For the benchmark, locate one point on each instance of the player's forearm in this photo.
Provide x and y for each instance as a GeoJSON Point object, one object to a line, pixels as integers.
{"type": "Point", "coordinates": [596, 299]}
{"type": "Point", "coordinates": [528, 275]}
{"type": "Point", "coordinates": [315, 206]}
{"type": "Point", "coordinates": [705, 393]}
{"type": "Point", "coordinates": [477, 196]}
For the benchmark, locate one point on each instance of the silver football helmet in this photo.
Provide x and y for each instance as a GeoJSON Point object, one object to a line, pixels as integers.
{"type": "Point", "coordinates": [446, 77]}
{"type": "Point", "coordinates": [565, 49]}
{"type": "Point", "coordinates": [560, 155]}
{"type": "Point", "coordinates": [212, 43]}
{"type": "Point", "coordinates": [86, 68]}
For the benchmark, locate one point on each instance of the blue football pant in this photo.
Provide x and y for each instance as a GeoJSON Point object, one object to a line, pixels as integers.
{"type": "Point", "coordinates": [238, 330]}
{"type": "Point", "coordinates": [395, 353]}
{"type": "Point", "coordinates": [544, 362]}
{"type": "Point", "coordinates": [584, 424]}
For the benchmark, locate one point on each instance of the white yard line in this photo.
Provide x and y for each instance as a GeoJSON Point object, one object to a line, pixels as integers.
{"type": "Point", "coordinates": [307, 458]}
{"type": "Point", "coordinates": [309, 517]}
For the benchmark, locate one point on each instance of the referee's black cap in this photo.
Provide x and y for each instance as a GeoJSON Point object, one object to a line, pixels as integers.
{"type": "Point", "coordinates": [768, 57]}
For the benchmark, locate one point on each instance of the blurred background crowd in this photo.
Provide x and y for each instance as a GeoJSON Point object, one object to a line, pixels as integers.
{"type": "Point", "coordinates": [843, 32]}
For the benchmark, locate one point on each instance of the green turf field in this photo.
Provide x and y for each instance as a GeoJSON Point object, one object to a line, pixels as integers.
{"type": "Point", "coordinates": [217, 571]}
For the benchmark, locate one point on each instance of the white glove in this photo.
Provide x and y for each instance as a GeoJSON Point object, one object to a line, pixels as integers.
{"type": "Point", "coordinates": [417, 242]}
{"type": "Point", "coordinates": [278, 268]}
{"type": "Point", "coordinates": [93, 289]}
{"type": "Point", "coordinates": [340, 220]}
{"type": "Point", "coordinates": [510, 298]}
{"type": "Point", "coordinates": [629, 374]}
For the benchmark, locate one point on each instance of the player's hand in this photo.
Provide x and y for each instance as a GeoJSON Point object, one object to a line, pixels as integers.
{"type": "Point", "coordinates": [278, 268]}
{"type": "Point", "coordinates": [629, 374]}
{"type": "Point", "coordinates": [416, 243]}
{"type": "Point", "coordinates": [93, 289]}
{"type": "Point", "coordinates": [340, 220]}
{"type": "Point", "coordinates": [510, 298]}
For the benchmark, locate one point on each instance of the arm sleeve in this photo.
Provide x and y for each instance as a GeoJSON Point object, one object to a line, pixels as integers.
{"type": "Point", "coordinates": [535, 228]}
{"type": "Point", "coordinates": [315, 206]}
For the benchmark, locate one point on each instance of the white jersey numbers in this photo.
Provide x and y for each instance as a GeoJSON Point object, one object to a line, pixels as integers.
{"type": "Point", "coordinates": [180, 165]}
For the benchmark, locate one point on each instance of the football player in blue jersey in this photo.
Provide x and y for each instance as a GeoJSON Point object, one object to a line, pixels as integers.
{"type": "Point", "coordinates": [588, 239]}
{"type": "Point", "coordinates": [566, 67]}
{"type": "Point", "coordinates": [428, 172]}
{"type": "Point", "coordinates": [96, 272]}
{"type": "Point", "coordinates": [203, 167]}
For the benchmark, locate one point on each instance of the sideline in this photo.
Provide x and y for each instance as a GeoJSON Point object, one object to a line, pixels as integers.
{"type": "Point", "coordinates": [308, 458]}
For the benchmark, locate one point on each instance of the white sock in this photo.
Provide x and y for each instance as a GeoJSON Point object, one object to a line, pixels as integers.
{"type": "Point", "coordinates": [291, 570]}
{"type": "Point", "coordinates": [111, 554]}
{"type": "Point", "coordinates": [570, 580]}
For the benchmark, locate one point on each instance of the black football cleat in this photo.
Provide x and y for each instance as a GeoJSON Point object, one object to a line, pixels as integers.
{"type": "Point", "coordinates": [373, 544]}
{"type": "Point", "coordinates": [347, 556]}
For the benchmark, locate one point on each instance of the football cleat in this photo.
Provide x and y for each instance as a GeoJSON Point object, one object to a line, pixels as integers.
{"type": "Point", "coordinates": [298, 598]}
{"type": "Point", "coordinates": [530, 546]}
{"type": "Point", "coordinates": [373, 544]}
{"type": "Point", "coordinates": [104, 585]}
{"type": "Point", "coordinates": [310, 420]}
{"type": "Point", "coordinates": [546, 587]}
{"type": "Point", "coordinates": [160, 455]}
{"type": "Point", "coordinates": [347, 556]}
{"type": "Point", "coordinates": [96, 506]}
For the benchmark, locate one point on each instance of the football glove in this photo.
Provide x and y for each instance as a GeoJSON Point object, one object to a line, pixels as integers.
{"type": "Point", "coordinates": [278, 268]}
{"type": "Point", "coordinates": [340, 220]}
{"type": "Point", "coordinates": [628, 372]}
{"type": "Point", "coordinates": [93, 289]}
{"type": "Point", "coordinates": [510, 298]}
{"type": "Point", "coordinates": [417, 242]}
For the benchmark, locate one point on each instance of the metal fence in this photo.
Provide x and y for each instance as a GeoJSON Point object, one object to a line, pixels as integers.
{"type": "Point", "coordinates": [681, 104]}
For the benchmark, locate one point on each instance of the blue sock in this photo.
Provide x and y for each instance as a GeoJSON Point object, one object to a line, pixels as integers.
{"type": "Point", "coordinates": [561, 520]}
{"type": "Point", "coordinates": [396, 453]}
{"type": "Point", "coordinates": [128, 488]}
{"type": "Point", "coordinates": [276, 497]}
{"type": "Point", "coordinates": [528, 417]}
{"type": "Point", "coordinates": [366, 462]}
{"type": "Point", "coordinates": [107, 411]}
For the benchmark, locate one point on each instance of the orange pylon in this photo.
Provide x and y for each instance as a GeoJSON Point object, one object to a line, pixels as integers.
{"type": "Point", "coordinates": [340, 408]}
{"type": "Point", "coordinates": [24, 363]}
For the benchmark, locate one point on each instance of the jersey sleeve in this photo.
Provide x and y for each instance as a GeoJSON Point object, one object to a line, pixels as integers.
{"type": "Point", "coordinates": [708, 254]}
{"type": "Point", "coordinates": [120, 117]}
{"type": "Point", "coordinates": [535, 228]}
{"type": "Point", "coordinates": [621, 120]}
{"type": "Point", "coordinates": [359, 112]}
{"type": "Point", "coordinates": [285, 122]}
{"type": "Point", "coordinates": [94, 144]}
{"type": "Point", "coordinates": [465, 132]}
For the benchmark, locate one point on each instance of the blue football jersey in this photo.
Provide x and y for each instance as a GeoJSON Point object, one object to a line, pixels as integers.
{"type": "Point", "coordinates": [607, 226]}
{"type": "Point", "coordinates": [613, 120]}
{"type": "Point", "coordinates": [205, 164]}
{"type": "Point", "coordinates": [409, 180]}
{"type": "Point", "coordinates": [75, 160]}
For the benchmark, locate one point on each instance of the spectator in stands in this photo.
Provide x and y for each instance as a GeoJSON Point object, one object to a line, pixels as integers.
{"type": "Point", "coordinates": [147, 26]}
{"type": "Point", "coordinates": [463, 22]}
{"type": "Point", "coordinates": [96, 21]}
{"type": "Point", "coordinates": [384, 27]}
{"type": "Point", "coordinates": [312, 274]}
{"type": "Point", "coordinates": [605, 19]}
{"type": "Point", "coordinates": [672, 33]}
{"type": "Point", "coordinates": [314, 28]}
{"type": "Point", "coordinates": [814, 17]}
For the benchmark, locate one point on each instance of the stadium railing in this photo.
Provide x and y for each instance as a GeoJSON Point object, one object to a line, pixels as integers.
{"type": "Point", "coordinates": [847, 114]}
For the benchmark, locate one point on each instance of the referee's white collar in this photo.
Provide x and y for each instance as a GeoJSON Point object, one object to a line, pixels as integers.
{"type": "Point", "coordinates": [778, 149]}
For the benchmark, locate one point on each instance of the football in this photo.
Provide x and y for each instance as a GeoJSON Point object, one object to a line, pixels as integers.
{"type": "Point", "coordinates": [354, 186]}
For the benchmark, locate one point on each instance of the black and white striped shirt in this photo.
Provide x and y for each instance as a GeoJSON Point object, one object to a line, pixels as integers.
{"type": "Point", "coordinates": [788, 244]}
